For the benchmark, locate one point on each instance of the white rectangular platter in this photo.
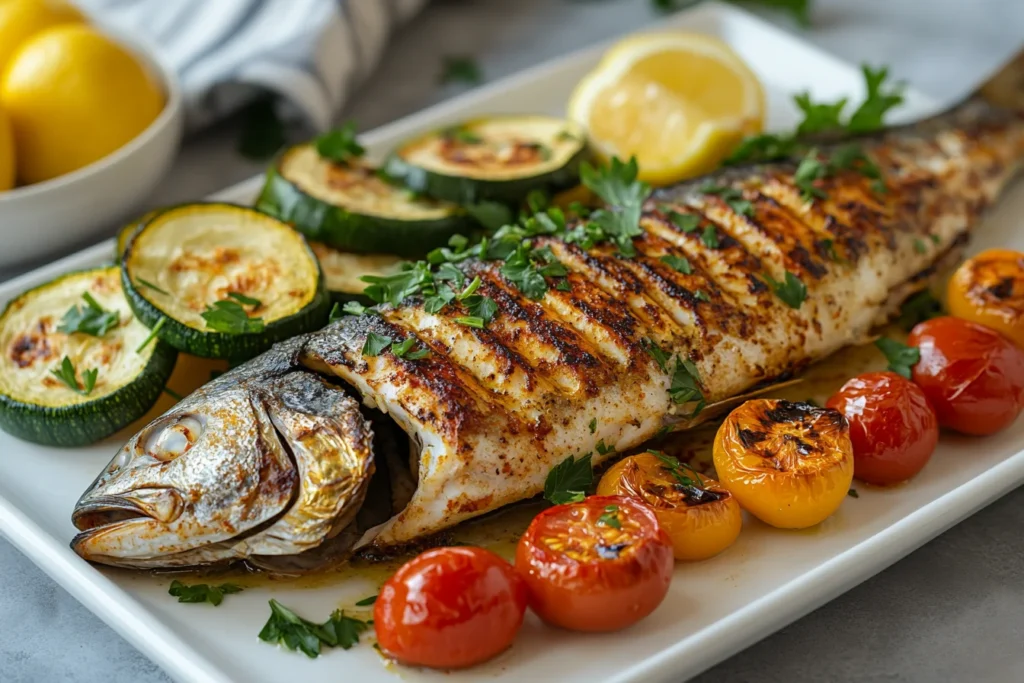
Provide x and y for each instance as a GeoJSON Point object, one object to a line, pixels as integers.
{"type": "Point", "coordinates": [714, 609]}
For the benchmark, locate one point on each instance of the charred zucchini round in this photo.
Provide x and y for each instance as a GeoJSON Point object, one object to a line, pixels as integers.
{"type": "Point", "coordinates": [492, 159]}
{"type": "Point", "coordinates": [125, 234]}
{"type": "Point", "coordinates": [342, 271]}
{"type": "Point", "coordinates": [348, 206]}
{"type": "Point", "coordinates": [77, 366]}
{"type": "Point", "coordinates": [223, 281]}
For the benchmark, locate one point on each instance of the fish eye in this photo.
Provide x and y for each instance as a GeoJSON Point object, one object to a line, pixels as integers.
{"type": "Point", "coordinates": [173, 438]}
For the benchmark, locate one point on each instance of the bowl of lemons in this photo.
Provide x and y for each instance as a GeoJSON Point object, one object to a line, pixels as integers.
{"type": "Point", "coordinates": [89, 124]}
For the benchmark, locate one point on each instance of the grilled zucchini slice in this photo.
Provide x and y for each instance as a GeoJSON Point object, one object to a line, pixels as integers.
{"type": "Point", "coordinates": [223, 281]}
{"type": "Point", "coordinates": [348, 206]}
{"type": "Point", "coordinates": [342, 271]}
{"type": "Point", "coordinates": [125, 234]}
{"type": "Point", "coordinates": [131, 369]}
{"type": "Point", "coordinates": [492, 159]}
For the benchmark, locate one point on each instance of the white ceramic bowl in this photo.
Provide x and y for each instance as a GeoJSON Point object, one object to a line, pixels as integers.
{"type": "Point", "coordinates": [51, 217]}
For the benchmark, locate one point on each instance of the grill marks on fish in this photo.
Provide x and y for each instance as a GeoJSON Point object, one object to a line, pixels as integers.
{"type": "Point", "coordinates": [493, 410]}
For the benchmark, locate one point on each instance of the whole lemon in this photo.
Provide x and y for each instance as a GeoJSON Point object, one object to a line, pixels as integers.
{"type": "Point", "coordinates": [74, 96]}
{"type": "Point", "coordinates": [22, 19]}
{"type": "Point", "coordinates": [6, 153]}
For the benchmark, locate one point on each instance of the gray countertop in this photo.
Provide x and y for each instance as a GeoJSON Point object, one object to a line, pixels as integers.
{"type": "Point", "coordinates": [951, 611]}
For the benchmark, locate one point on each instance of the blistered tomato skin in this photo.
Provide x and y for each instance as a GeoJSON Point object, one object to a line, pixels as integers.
{"type": "Point", "coordinates": [701, 520]}
{"type": "Point", "coordinates": [450, 608]}
{"type": "Point", "coordinates": [893, 429]}
{"type": "Point", "coordinates": [789, 464]}
{"type": "Point", "coordinates": [972, 375]}
{"type": "Point", "coordinates": [599, 565]}
{"type": "Point", "coordinates": [988, 289]}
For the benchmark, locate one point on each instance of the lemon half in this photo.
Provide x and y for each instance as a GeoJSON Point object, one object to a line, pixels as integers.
{"type": "Point", "coordinates": [679, 102]}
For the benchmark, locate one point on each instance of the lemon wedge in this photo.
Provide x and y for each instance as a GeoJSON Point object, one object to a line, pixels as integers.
{"type": "Point", "coordinates": [680, 102]}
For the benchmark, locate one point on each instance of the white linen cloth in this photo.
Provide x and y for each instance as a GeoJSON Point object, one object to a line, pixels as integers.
{"type": "Point", "coordinates": [309, 52]}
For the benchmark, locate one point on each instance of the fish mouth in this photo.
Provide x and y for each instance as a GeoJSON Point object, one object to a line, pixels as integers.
{"type": "Point", "coordinates": [104, 511]}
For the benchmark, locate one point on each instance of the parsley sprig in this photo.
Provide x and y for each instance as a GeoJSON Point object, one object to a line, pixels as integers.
{"type": "Point", "coordinates": [229, 316]}
{"type": "Point", "coordinates": [339, 145]}
{"type": "Point", "coordinates": [791, 290]}
{"type": "Point", "coordinates": [610, 517]}
{"type": "Point", "coordinates": [91, 319]}
{"type": "Point", "coordinates": [202, 592]}
{"type": "Point", "coordinates": [827, 118]}
{"type": "Point", "coordinates": [67, 375]}
{"type": "Point", "coordinates": [617, 185]}
{"type": "Point", "coordinates": [569, 480]}
{"type": "Point", "coordinates": [685, 387]}
{"type": "Point", "coordinates": [901, 358]}
{"type": "Point", "coordinates": [289, 629]}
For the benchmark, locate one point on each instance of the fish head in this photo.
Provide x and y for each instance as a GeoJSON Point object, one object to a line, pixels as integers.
{"type": "Point", "coordinates": [194, 484]}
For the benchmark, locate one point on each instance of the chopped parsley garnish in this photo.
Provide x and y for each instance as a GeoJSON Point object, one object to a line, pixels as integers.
{"type": "Point", "coordinates": [471, 321]}
{"type": "Point", "coordinates": [461, 69]}
{"type": "Point", "coordinates": [67, 375]}
{"type": "Point", "coordinates": [679, 263]}
{"type": "Point", "coordinates": [340, 145]}
{"type": "Point", "coordinates": [287, 628]}
{"type": "Point", "coordinates": [366, 602]}
{"type": "Point", "coordinates": [375, 344]}
{"type": "Point", "coordinates": [901, 358]}
{"type": "Point", "coordinates": [710, 237]}
{"type": "Point", "coordinates": [403, 349]}
{"type": "Point", "coordinates": [603, 449]}
{"type": "Point", "coordinates": [150, 285]}
{"type": "Point", "coordinates": [354, 308]}
{"type": "Point", "coordinates": [852, 493]}
{"type": "Point", "coordinates": [568, 481]}
{"type": "Point", "coordinates": [655, 352]}
{"type": "Point", "coordinates": [701, 295]}
{"type": "Point", "coordinates": [177, 397]}
{"type": "Point", "coordinates": [918, 308]}
{"type": "Point", "coordinates": [792, 291]}
{"type": "Point", "coordinates": [229, 317]}
{"type": "Point", "coordinates": [731, 196]}
{"type": "Point", "coordinates": [461, 135]}
{"type": "Point", "coordinates": [936, 240]}
{"type": "Point", "coordinates": [337, 312]}
{"type": "Point", "coordinates": [89, 319]}
{"type": "Point", "coordinates": [683, 473]}
{"type": "Point", "coordinates": [610, 517]}
{"type": "Point", "coordinates": [919, 246]}
{"type": "Point", "coordinates": [152, 334]}
{"type": "Point", "coordinates": [593, 425]}
{"type": "Point", "coordinates": [687, 222]}
{"type": "Point", "coordinates": [617, 185]}
{"type": "Point", "coordinates": [825, 117]}
{"type": "Point", "coordinates": [685, 386]}
{"type": "Point", "coordinates": [202, 592]}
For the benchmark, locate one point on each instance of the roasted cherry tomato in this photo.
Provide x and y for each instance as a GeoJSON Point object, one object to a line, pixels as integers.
{"type": "Point", "coordinates": [450, 608]}
{"type": "Point", "coordinates": [973, 376]}
{"type": "Point", "coordinates": [893, 429]}
{"type": "Point", "coordinates": [989, 290]}
{"type": "Point", "coordinates": [599, 565]}
{"type": "Point", "coordinates": [789, 464]}
{"type": "Point", "coordinates": [700, 517]}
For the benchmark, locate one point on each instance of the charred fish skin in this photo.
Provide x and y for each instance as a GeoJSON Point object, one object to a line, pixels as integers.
{"type": "Point", "coordinates": [269, 460]}
{"type": "Point", "coordinates": [495, 409]}
{"type": "Point", "coordinates": [490, 411]}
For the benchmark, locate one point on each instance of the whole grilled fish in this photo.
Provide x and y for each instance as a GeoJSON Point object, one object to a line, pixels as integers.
{"type": "Point", "coordinates": [274, 462]}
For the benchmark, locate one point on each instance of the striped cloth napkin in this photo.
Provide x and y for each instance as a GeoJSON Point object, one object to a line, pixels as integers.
{"type": "Point", "coordinates": [311, 53]}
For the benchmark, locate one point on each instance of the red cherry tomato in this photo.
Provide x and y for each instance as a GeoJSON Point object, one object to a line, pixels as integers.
{"type": "Point", "coordinates": [893, 429]}
{"type": "Point", "coordinates": [450, 608]}
{"type": "Point", "coordinates": [599, 565]}
{"type": "Point", "coordinates": [973, 376]}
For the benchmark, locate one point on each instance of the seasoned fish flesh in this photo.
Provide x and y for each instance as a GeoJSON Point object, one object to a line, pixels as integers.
{"type": "Point", "coordinates": [278, 464]}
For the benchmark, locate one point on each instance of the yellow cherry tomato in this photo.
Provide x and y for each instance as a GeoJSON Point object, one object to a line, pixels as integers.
{"type": "Point", "coordinates": [699, 515]}
{"type": "Point", "coordinates": [788, 464]}
{"type": "Point", "coordinates": [989, 289]}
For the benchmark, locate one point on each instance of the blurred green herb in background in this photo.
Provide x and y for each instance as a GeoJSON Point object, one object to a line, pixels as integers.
{"type": "Point", "coordinates": [800, 10]}
{"type": "Point", "coordinates": [461, 69]}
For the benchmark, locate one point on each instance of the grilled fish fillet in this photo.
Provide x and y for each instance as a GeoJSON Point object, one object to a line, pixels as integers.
{"type": "Point", "coordinates": [491, 411]}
